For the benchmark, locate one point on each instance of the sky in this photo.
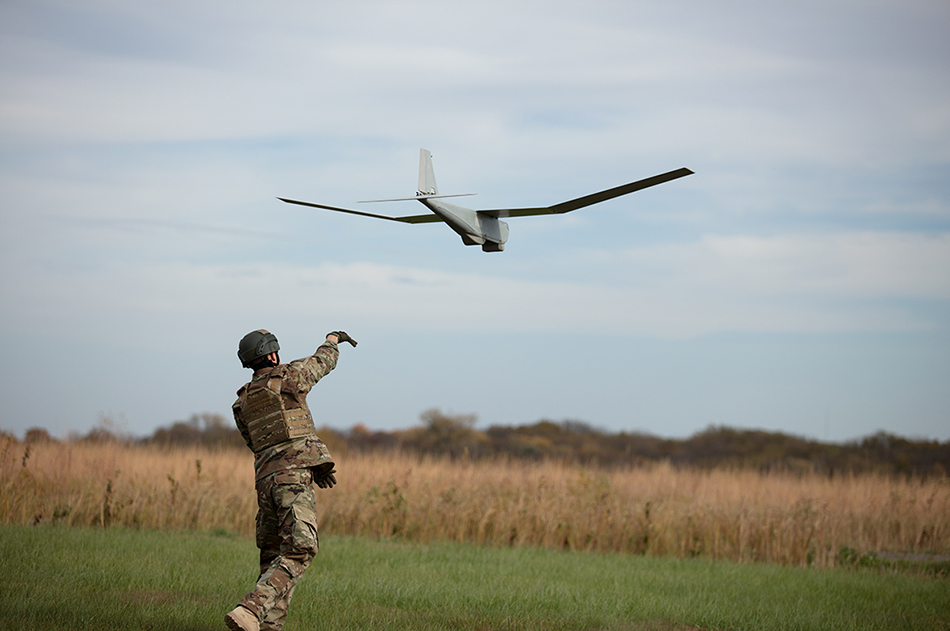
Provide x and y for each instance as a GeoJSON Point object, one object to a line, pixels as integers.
{"type": "Point", "coordinates": [798, 282]}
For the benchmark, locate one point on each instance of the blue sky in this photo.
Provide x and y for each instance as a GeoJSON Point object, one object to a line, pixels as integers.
{"type": "Point", "coordinates": [798, 282]}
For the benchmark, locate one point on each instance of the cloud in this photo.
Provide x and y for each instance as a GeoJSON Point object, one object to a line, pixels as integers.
{"type": "Point", "coordinates": [648, 78]}
{"type": "Point", "coordinates": [852, 265]}
{"type": "Point", "coordinates": [794, 283]}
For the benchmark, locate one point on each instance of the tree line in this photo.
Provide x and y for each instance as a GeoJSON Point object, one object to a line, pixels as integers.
{"type": "Point", "coordinates": [456, 436]}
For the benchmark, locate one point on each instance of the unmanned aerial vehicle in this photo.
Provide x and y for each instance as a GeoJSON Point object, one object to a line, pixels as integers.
{"type": "Point", "coordinates": [484, 227]}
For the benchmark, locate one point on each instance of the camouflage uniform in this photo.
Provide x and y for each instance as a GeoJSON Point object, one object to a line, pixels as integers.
{"type": "Point", "coordinates": [284, 475]}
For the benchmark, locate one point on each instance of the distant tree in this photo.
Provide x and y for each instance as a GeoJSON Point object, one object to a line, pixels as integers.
{"type": "Point", "coordinates": [106, 431]}
{"type": "Point", "coordinates": [361, 438]}
{"type": "Point", "coordinates": [37, 435]}
{"type": "Point", "coordinates": [207, 429]}
{"type": "Point", "coordinates": [454, 435]}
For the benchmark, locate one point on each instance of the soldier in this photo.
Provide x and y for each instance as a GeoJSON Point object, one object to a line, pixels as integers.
{"type": "Point", "coordinates": [272, 414]}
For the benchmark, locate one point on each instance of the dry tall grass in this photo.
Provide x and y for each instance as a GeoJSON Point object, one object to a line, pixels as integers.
{"type": "Point", "coordinates": [657, 510]}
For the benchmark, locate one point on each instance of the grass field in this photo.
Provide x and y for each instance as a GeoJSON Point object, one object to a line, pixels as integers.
{"type": "Point", "coordinates": [796, 519]}
{"type": "Point", "coordinates": [56, 578]}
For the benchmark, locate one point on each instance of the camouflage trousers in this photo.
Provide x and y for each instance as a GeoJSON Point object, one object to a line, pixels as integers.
{"type": "Point", "coordinates": [287, 538]}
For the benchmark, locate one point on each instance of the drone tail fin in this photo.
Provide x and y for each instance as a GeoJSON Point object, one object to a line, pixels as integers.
{"type": "Point", "coordinates": [427, 185]}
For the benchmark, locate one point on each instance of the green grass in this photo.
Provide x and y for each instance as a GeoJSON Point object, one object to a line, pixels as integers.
{"type": "Point", "coordinates": [55, 578]}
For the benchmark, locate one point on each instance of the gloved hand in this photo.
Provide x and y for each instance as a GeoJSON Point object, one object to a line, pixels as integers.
{"type": "Point", "coordinates": [327, 480]}
{"type": "Point", "coordinates": [343, 337]}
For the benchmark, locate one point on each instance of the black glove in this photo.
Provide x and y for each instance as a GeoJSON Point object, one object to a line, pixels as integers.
{"type": "Point", "coordinates": [343, 337]}
{"type": "Point", "coordinates": [327, 480]}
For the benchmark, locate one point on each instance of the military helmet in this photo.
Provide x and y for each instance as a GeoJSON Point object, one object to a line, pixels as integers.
{"type": "Point", "coordinates": [255, 345]}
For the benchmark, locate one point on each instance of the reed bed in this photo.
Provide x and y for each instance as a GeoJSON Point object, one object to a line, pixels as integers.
{"type": "Point", "coordinates": [786, 518]}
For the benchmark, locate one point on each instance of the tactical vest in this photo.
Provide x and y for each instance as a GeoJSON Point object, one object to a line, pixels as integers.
{"type": "Point", "coordinates": [268, 420]}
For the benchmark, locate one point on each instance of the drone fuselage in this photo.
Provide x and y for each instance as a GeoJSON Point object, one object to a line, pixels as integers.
{"type": "Point", "coordinates": [475, 229]}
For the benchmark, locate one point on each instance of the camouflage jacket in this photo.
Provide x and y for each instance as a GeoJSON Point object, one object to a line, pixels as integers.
{"type": "Point", "coordinates": [299, 377]}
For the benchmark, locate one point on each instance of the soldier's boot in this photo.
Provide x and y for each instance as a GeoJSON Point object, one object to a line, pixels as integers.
{"type": "Point", "coordinates": [241, 619]}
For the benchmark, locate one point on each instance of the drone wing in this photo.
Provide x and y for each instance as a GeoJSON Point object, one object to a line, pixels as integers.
{"type": "Point", "coordinates": [563, 207]}
{"type": "Point", "coordinates": [411, 219]}
{"type": "Point", "coordinates": [588, 200]}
